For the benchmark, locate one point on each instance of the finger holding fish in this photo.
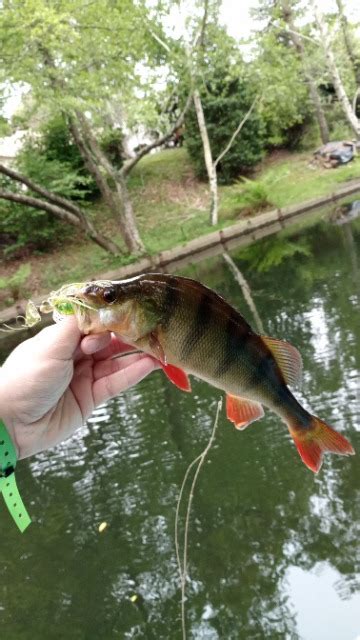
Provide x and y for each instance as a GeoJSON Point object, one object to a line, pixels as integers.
{"type": "Point", "coordinates": [110, 385]}
{"type": "Point", "coordinates": [110, 366]}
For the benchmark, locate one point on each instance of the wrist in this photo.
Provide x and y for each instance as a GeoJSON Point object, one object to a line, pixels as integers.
{"type": "Point", "coordinates": [8, 486]}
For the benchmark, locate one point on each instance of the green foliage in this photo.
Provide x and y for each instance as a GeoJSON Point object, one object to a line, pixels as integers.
{"type": "Point", "coordinates": [225, 103]}
{"type": "Point", "coordinates": [15, 283]}
{"type": "Point", "coordinates": [5, 129]}
{"type": "Point", "coordinates": [23, 228]}
{"type": "Point", "coordinates": [254, 194]}
{"type": "Point", "coordinates": [285, 105]}
{"type": "Point", "coordinates": [111, 144]}
{"type": "Point", "coordinates": [51, 159]}
{"type": "Point", "coordinates": [77, 55]}
{"type": "Point", "coordinates": [264, 255]}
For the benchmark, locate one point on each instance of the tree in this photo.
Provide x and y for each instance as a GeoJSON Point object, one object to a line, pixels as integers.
{"type": "Point", "coordinates": [344, 101]}
{"type": "Point", "coordinates": [227, 103]}
{"type": "Point", "coordinates": [313, 91]}
{"type": "Point", "coordinates": [350, 46]}
{"type": "Point", "coordinates": [219, 113]}
{"type": "Point", "coordinates": [52, 48]}
{"type": "Point", "coordinates": [282, 72]}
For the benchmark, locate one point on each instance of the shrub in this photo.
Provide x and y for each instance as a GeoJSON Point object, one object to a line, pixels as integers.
{"type": "Point", "coordinates": [23, 228]}
{"type": "Point", "coordinates": [225, 103]}
{"type": "Point", "coordinates": [15, 283]}
{"type": "Point", "coordinates": [255, 194]}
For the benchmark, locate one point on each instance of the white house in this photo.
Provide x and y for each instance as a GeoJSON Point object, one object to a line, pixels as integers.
{"type": "Point", "coordinates": [10, 146]}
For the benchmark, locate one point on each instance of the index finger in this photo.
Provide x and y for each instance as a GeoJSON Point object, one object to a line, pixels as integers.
{"type": "Point", "coordinates": [115, 347]}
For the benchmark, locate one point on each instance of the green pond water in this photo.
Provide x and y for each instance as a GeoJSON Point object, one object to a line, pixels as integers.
{"type": "Point", "coordinates": [274, 551]}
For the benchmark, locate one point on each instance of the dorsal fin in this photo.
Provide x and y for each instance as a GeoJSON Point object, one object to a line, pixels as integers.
{"type": "Point", "coordinates": [287, 358]}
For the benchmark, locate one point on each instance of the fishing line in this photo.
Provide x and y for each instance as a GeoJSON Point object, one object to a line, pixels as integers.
{"type": "Point", "coordinates": [183, 566]}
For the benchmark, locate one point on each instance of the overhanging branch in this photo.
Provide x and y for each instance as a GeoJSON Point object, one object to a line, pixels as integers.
{"type": "Point", "coordinates": [33, 186]}
{"type": "Point", "coordinates": [130, 164]}
{"type": "Point", "coordinates": [36, 203]}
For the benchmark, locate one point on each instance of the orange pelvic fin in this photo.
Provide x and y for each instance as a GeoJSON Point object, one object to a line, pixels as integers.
{"type": "Point", "coordinates": [177, 376]}
{"type": "Point", "coordinates": [287, 358]}
{"type": "Point", "coordinates": [242, 412]}
{"type": "Point", "coordinates": [315, 440]}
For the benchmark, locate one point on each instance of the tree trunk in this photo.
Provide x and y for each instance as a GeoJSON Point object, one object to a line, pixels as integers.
{"type": "Point", "coordinates": [354, 59]}
{"type": "Point", "coordinates": [210, 167]}
{"type": "Point", "coordinates": [103, 173]}
{"type": "Point", "coordinates": [98, 165]}
{"type": "Point", "coordinates": [314, 94]}
{"type": "Point", "coordinates": [246, 291]}
{"type": "Point", "coordinates": [131, 233]}
{"type": "Point", "coordinates": [334, 72]}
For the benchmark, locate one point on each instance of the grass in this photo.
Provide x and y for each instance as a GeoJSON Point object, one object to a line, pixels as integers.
{"type": "Point", "coordinates": [171, 207]}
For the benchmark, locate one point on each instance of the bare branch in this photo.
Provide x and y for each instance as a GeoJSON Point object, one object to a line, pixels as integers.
{"type": "Point", "coordinates": [52, 197]}
{"type": "Point", "coordinates": [36, 203]}
{"type": "Point", "coordinates": [160, 41]}
{"type": "Point", "coordinates": [303, 36]}
{"type": "Point", "coordinates": [236, 132]}
{"type": "Point", "coordinates": [65, 216]}
{"type": "Point", "coordinates": [130, 164]}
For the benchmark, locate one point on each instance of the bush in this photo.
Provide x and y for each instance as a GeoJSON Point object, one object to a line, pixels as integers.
{"type": "Point", "coordinates": [225, 103]}
{"type": "Point", "coordinates": [15, 283]}
{"type": "Point", "coordinates": [51, 159]}
{"type": "Point", "coordinates": [254, 194]}
{"type": "Point", "coordinates": [24, 229]}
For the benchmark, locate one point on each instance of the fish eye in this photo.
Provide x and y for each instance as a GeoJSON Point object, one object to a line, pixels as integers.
{"type": "Point", "coordinates": [109, 294]}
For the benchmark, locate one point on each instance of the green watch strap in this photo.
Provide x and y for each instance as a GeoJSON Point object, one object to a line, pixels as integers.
{"type": "Point", "coordinates": [8, 486]}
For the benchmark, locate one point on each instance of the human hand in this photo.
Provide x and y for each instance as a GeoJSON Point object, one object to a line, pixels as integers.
{"type": "Point", "coordinates": [50, 384]}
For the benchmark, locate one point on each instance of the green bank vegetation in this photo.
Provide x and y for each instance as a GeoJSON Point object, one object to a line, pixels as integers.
{"type": "Point", "coordinates": [86, 193]}
{"type": "Point", "coordinates": [172, 208]}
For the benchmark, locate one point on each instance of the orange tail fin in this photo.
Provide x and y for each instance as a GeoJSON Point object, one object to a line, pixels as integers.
{"type": "Point", "coordinates": [313, 441]}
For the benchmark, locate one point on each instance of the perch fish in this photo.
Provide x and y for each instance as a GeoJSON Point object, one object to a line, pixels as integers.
{"type": "Point", "coordinates": [192, 330]}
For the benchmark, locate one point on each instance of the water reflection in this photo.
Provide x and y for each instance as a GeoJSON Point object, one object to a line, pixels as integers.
{"type": "Point", "coordinates": [268, 540]}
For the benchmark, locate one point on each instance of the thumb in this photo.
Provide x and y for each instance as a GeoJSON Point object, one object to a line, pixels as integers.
{"type": "Point", "coordinates": [60, 340]}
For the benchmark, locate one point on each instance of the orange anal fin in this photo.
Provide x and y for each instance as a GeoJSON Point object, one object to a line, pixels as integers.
{"type": "Point", "coordinates": [314, 441]}
{"type": "Point", "coordinates": [177, 376]}
{"type": "Point", "coordinates": [242, 412]}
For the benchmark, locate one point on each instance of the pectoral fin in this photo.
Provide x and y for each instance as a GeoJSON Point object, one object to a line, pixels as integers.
{"type": "Point", "coordinates": [156, 348]}
{"type": "Point", "coordinates": [242, 412]}
{"type": "Point", "coordinates": [177, 376]}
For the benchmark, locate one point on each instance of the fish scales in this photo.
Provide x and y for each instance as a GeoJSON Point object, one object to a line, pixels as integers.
{"type": "Point", "coordinates": [209, 338]}
{"type": "Point", "coordinates": [190, 329]}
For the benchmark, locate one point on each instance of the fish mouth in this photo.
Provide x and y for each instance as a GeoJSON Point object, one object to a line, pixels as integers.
{"type": "Point", "coordinates": [68, 298]}
{"type": "Point", "coordinates": [85, 300]}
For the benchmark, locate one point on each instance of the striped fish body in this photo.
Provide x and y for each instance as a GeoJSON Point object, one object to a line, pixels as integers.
{"type": "Point", "coordinates": [202, 334]}
{"type": "Point", "coordinates": [192, 330]}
